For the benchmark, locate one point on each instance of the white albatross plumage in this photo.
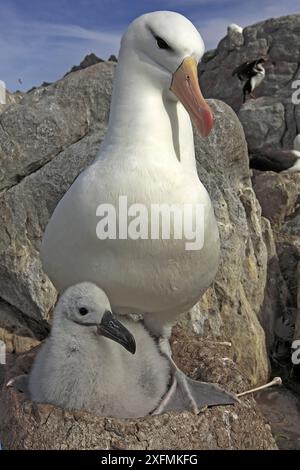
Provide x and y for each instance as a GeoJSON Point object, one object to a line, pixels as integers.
{"type": "Point", "coordinates": [148, 156]}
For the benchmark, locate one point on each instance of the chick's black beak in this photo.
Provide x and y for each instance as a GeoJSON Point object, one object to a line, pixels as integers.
{"type": "Point", "coordinates": [111, 328]}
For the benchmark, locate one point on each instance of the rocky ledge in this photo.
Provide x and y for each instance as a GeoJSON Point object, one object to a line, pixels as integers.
{"type": "Point", "coordinates": [26, 425]}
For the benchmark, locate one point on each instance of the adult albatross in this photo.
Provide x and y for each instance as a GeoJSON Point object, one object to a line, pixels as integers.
{"type": "Point", "coordinates": [148, 156]}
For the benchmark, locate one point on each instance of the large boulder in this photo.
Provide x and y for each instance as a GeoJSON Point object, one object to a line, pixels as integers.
{"type": "Point", "coordinates": [263, 120]}
{"type": "Point", "coordinates": [276, 299]}
{"type": "Point", "coordinates": [278, 195]}
{"type": "Point", "coordinates": [297, 323]}
{"type": "Point", "coordinates": [26, 425]}
{"type": "Point", "coordinates": [44, 144]}
{"type": "Point", "coordinates": [229, 310]}
{"type": "Point", "coordinates": [88, 61]}
{"type": "Point", "coordinates": [273, 118]}
{"type": "Point", "coordinates": [50, 119]}
{"type": "Point", "coordinates": [296, 337]}
{"type": "Point", "coordinates": [51, 136]}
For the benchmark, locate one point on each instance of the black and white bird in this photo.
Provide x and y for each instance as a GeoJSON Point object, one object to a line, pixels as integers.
{"type": "Point", "coordinates": [252, 73]}
{"type": "Point", "coordinates": [267, 158]}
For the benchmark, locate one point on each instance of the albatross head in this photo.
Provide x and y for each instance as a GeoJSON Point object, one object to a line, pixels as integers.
{"type": "Point", "coordinates": [168, 47]}
{"type": "Point", "coordinates": [87, 305]}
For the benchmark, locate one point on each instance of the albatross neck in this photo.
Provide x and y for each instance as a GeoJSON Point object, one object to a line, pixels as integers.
{"type": "Point", "coordinates": [142, 120]}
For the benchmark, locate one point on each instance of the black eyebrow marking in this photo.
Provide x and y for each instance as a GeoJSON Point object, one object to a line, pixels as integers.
{"type": "Point", "coordinates": [151, 30]}
{"type": "Point", "coordinates": [159, 40]}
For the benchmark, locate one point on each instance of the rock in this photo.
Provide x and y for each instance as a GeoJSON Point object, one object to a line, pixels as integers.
{"type": "Point", "coordinates": [10, 98]}
{"type": "Point", "coordinates": [297, 325]}
{"type": "Point", "coordinates": [288, 248]}
{"type": "Point", "coordinates": [54, 134]}
{"type": "Point", "coordinates": [18, 332]}
{"type": "Point", "coordinates": [235, 36]}
{"type": "Point", "coordinates": [43, 85]}
{"type": "Point", "coordinates": [296, 337]}
{"type": "Point", "coordinates": [16, 343]}
{"type": "Point", "coordinates": [88, 61]}
{"type": "Point", "coordinates": [281, 408]}
{"type": "Point", "coordinates": [51, 119]}
{"type": "Point", "coordinates": [278, 195]}
{"type": "Point", "coordinates": [16, 323]}
{"type": "Point", "coordinates": [25, 425]}
{"type": "Point", "coordinates": [112, 58]}
{"type": "Point", "coordinates": [25, 210]}
{"type": "Point", "coordinates": [276, 297]}
{"type": "Point", "coordinates": [229, 309]}
{"type": "Point", "coordinates": [263, 120]}
{"type": "Point", "coordinates": [273, 118]}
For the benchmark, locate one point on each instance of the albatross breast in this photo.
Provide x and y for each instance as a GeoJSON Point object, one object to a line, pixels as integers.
{"type": "Point", "coordinates": [138, 275]}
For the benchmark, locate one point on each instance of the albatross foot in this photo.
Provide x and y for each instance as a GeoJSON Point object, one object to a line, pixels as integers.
{"type": "Point", "coordinates": [193, 395]}
{"type": "Point", "coordinates": [188, 394]}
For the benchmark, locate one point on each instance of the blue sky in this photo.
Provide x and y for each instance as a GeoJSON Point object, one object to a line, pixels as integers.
{"type": "Point", "coordinates": [40, 40]}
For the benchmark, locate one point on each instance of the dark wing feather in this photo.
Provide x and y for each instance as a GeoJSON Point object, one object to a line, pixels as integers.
{"type": "Point", "coordinates": [270, 159]}
{"type": "Point", "coordinates": [245, 70]}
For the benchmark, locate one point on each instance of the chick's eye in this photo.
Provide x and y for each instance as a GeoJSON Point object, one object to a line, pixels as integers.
{"type": "Point", "coordinates": [83, 311]}
{"type": "Point", "coordinates": [161, 43]}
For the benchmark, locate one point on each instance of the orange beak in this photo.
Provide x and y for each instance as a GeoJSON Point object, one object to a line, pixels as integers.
{"type": "Point", "coordinates": [186, 87]}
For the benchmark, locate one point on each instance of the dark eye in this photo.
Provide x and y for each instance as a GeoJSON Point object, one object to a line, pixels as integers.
{"type": "Point", "coordinates": [83, 311]}
{"type": "Point", "coordinates": [161, 43]}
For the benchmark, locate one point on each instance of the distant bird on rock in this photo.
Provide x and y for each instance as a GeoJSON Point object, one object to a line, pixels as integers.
{"type": "Point", "coordinates": [235, 28]}
{"type": "Point", "coordinates": [267, 158]}
{"type": "Point", "coordinates": [252, 73]}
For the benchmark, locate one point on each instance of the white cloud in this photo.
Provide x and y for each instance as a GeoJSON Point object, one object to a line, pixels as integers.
{"type": "Point", "coordinates": [72, 31]}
